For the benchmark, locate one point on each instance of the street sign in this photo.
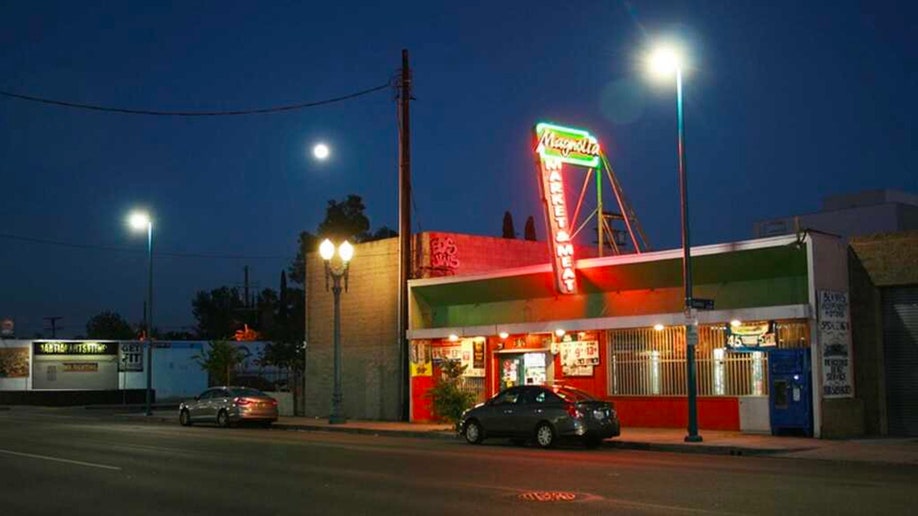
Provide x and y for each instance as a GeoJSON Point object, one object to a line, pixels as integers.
{"type": "Point", "coordinates": [702, 304]}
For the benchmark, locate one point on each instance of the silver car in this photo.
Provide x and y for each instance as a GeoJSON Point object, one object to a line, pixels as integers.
{"type": "Point", "coordinates": [542, 413]}
{"type": "Point", "coordinates": [227, 405]}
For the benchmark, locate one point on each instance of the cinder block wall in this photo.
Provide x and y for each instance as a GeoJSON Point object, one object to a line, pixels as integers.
{"type": "Point", "coordinates": [369, 344]}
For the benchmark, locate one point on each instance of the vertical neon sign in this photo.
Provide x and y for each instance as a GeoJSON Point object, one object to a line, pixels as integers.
{"type": "Point", "coordinates": [556, 145]}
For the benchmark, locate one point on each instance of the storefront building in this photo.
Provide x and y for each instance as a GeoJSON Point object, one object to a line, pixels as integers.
{"type": "Point", "coordinates": [621, 335]}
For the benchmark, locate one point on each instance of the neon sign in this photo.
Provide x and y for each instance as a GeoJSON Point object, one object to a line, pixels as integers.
{"type": "Point", "coordinates": [556, 145]}
{"type": "Point", "coordinates": [573, 146]}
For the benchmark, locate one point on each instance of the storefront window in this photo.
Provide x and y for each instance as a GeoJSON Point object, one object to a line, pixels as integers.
{"type": "Point", "coordinates": [649, 362]}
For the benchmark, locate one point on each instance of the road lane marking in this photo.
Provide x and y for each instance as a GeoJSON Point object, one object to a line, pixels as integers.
{"type": "Point", "coordinates": [58, 459]}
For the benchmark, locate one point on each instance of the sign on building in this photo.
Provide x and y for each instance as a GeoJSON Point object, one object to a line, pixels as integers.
{"type": "Point", "coordinates": [834, 329]}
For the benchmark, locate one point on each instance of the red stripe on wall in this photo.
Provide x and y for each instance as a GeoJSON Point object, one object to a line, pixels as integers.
{"type": "Point", "coordinates": [672, 412]}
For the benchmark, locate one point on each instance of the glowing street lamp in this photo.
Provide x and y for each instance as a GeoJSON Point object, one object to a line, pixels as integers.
{"type": "Point", "coordinates": [140, 221]}
{"type": "Point", "coordinates": [665, 61]}
{"type": "Point", "coordinates": [336, 272]}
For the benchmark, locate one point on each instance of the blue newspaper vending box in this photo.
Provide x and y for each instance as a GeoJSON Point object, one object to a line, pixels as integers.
{"type": "Point", "coordinates": [790, 398]}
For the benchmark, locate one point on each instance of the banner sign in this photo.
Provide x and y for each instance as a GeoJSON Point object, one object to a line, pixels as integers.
{"type": "Point", "coordinates": [51, 347]}
{"type": "Point", "coordinates": [834, 323]}
{"type": "Point", "coordinates": [751, 336]}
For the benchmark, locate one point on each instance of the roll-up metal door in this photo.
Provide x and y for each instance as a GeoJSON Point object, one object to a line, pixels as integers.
{"type": "Point", "coordinates": [900, 341]}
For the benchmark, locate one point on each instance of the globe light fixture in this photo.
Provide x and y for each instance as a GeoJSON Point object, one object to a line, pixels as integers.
{"type": "Point", "coordinates": [336, 272]}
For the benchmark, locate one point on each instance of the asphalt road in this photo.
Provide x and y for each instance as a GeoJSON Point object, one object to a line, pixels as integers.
{"type": "Point", "coordinates": [77, 462]}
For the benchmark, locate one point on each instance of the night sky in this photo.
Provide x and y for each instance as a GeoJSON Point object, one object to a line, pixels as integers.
{"type": "Point", "coordinates": [786, 102]}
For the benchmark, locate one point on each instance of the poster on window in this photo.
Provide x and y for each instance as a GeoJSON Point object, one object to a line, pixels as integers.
{"type": "Point", "coordinates": [419, 351]}
{"type": "Point", "coordinates": [579, 357]}
{"type": "Point", "coordinates": [470, 352]}
{"type": "Point", "coordinates": [834, 324]}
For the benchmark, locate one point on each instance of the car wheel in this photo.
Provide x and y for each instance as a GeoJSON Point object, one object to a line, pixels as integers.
{"type": "Point", "coordinates": [473, 432]}
{"type": "Point", "coordinates": [223, 419]}
{"type": "Point", "coordinates": [184, 418]}
{"type": "Point", "coordinates": [545, 435]}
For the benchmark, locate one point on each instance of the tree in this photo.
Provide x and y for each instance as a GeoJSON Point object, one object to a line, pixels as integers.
{"type": "Point", "coordinates": [109, 325]}
{"type": "Point", "coordinates": [220, 359]}
{"type": "Point", "coordinates": [448, 397]}
{"type": "Point", "coordinates": [343, 220]}
{"type": "Point", "coordinates": [508, 231]}
{"type": "Point", "coordinates": [218, 312]}
{"type": "Point", "coordinates": [529, 232]}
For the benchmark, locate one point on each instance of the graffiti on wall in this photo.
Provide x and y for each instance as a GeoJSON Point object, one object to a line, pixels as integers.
{"type": "Point", "coordinates": [444, 256]}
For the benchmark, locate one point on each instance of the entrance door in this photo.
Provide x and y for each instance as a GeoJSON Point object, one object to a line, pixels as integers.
{"type": "Point", "coordinates": [900, 333]}
{"type": "Point", "coordinates": [524, 369]}
{"type": "Point", "coordinates": [511, 371]}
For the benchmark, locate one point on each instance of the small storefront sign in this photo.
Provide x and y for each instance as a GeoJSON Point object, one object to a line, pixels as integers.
{"type": "Point", "coordinates": [834, 327]}
{"type": "Point", "coordinates": [130, 356]}
{"type": "Point", "coordinates": [751, 336]}
{"type": "Point", "coordinates": [56, 347]}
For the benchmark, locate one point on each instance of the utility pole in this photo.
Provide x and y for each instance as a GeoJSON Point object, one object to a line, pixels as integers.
{"type": "Point", "coordinates": [53, 320]}
{"type": "Point", "coordinates": [404, 232]}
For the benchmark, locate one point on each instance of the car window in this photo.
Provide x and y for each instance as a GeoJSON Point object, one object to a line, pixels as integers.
{"type": "Point", "coordinates": [508, 397]}
{"type": "Point", "coordinates": [542, 396]}
{"type": "Point", "coordinates": [206, 395]}
{"type": "Point", "coordinates": [573, 395]}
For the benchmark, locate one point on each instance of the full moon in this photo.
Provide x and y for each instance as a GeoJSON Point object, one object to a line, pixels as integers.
{"type": "Point", "coordinates": [320, 151]}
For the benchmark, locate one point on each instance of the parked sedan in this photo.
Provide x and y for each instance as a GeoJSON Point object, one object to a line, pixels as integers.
{"type": "Point", "coordinates": [543, 413]}
{"type": "Point", "coordinates": [227, 405]}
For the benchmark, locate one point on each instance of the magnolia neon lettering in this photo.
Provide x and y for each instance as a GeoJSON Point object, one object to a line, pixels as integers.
{"type": "Point", "coordinates": [551, 140]}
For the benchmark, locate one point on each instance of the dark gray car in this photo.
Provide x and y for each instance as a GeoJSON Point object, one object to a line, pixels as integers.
{"type": "Point", "coordinates": [542, 413]}
{"type": "Point", "coordinates": [226, 405]}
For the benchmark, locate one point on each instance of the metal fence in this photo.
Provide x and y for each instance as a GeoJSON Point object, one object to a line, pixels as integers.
{"type": "Point", "coordinates": [649, 362]}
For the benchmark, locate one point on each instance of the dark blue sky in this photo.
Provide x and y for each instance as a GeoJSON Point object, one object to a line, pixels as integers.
{"type": "Point", "coordinates": [787, 102]}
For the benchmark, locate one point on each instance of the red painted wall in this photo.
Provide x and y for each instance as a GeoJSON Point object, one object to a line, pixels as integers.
{"type": "Point", "coordinates": [672, 412]}
{"type": "Point", "coordinates": [420, 403]}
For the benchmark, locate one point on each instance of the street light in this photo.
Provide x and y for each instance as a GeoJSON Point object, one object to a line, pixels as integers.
{"type": "Point", "coordinates": [336, 272]}
{"type": "Point", "coordinates": [664, 61]}
{"type": "Point", "coordinates": [140, 221]}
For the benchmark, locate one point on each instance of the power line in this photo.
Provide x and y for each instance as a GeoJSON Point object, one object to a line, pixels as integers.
{"type": "Point", "coordinates": [99, 247]}
{"type": "Point", "coordinates": [76, 245]}
{"type": "Point", "coordinates": [150, 112]}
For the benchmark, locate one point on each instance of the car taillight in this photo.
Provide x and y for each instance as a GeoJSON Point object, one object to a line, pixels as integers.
{"type": "Point", "coordinates": [573, 411]}
{"type": "Point", "coordinates": [273, 402]}
{"type": "Point", "coordinates": [242, 401]}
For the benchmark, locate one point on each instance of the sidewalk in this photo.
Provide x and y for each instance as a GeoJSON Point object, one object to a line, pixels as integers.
{"type": "Point", "coordinates": [874, 450]}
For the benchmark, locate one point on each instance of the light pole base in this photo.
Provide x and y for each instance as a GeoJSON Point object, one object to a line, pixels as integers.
{"type": "Point", "coordinates": [336, 420]}
{"type": "Point", "coordinates": [693, 438]}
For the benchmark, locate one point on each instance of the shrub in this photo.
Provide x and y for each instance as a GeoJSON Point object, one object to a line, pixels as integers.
{"type": "Point", "coordinates": [448, 398]}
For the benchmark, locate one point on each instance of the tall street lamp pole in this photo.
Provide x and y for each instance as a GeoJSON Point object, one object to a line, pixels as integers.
{"type": "Point", "coordinates": [140, 221]}
{"type": "Point", "coordinates": [665, 61]}
{"type": "Point", "coordinates": [336, 273]}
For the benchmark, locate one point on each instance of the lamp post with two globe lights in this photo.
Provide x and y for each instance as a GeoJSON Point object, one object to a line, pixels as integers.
{"type": "Point", "coordinates": [337, 272]}
{"type": "Point", "coordinates": [665, 61]}
{"type": "Point", "coordinates": [139, 221]}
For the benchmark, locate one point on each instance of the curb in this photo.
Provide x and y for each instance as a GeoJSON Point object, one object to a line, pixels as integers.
{"type": "Point", "coordinates": [452, 436]}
